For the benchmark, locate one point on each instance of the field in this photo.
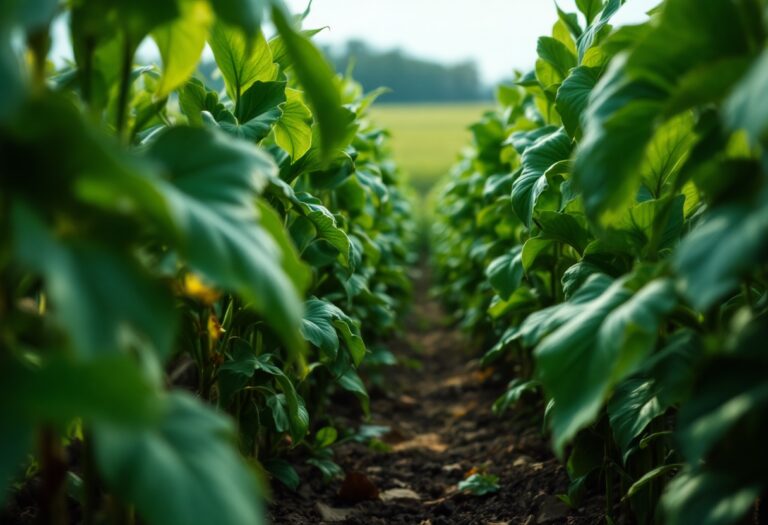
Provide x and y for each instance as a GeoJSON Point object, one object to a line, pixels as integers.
{"type": "Point", "coordinates": [426, 138]}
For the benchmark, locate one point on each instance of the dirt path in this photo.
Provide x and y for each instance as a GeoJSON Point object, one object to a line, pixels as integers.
{"type": "Point", "coordinates": [441, 428]}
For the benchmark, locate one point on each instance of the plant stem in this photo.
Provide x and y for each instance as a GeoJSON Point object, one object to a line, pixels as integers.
{"type": "Point", "coordinates": [90, 481]}
{"type": "Point", "coordinates": [53, 509]}
{"type": "Point", "coordinates": [125, 85]}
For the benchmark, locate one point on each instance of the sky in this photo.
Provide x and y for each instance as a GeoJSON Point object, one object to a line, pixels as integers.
{"type": "Point", "coordinates": [500, 35]}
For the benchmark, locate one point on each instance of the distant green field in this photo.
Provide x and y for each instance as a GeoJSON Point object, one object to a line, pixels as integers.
{"type": "Point", "coordinates": [426, 138]}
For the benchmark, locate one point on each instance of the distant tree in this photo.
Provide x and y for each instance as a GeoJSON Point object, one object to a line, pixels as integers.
{"type": "Point", "coordinates": [410, 79]}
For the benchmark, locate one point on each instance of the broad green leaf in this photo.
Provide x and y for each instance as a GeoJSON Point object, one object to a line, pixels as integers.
{"type": "Point", "coordinates": [293, 130]}
{"type": "Point", "coordinates": [181, 43]}
{"type": "Point", "coordinates": [725, 247]}
{"type": "Point", "coordinates": [184, 470]}
{"type": "Point", "coordinates": [708, 498]}
{"type": "Point", "coordinates": [571, 22]}
{"type": "Point", "coordinates": [283, 472]}
{"type": "Point", "coordinates": [320, 85]}
{"type": "Point", "coordinates": [536, 160]}
{"type": "Point", "coordinates": [595, 28]}
{"type": "Point", "coordinates": [248, 15]}
{"type": "Point", "coordinates": [299, 273]}
{"type": "Point", "coordinates": [575, 276]}
{"type": "Point", "coordinates": [580, 362]}
{"type": "Point", "coordinates": [506, 272]}
{"type": "Point", "coordinates": [241, 62]}
{"type": "Point", "coordinates": [573, 95]}
{"type": "Point", "coordinates": [666, 152]}
{"type": "Point", "coordinates": [545, 321]}
{"type": "Point", "coordinates": [619, 123]}
{"type": "Point", "coordinates": [261, 98]}
{"type": "Point", "coordinates": [214, 181]}
{"type": "Point", "coordinates": [532, 248]}
{"type": "Point", "coordinates": [195, 98]}
{"type": "Point", "coordinates": [108, 389]}
{"type": "Point", "coordinates": [631, 409]}
{"type": "Point", "coordinates": [556, 54]}
{"type": "Point", "coordinates": [96, 294]}
{"type": "Point", "coordinates": [324, 223]}
{"type": "Point", "coordinates": [564, 228]}
{"type": "Point", "coordinates": [660, 471]}
{"type": "Point", "coordinates": [322, 320]}
{"type": "Point", "coordinates": [351, 382]}
{"type": "Point", "coordinates": [744, 108]}
{"type": "Point", "coordinates": [590, 9]}
{"type": "Point", "coordinates": [16, 441]}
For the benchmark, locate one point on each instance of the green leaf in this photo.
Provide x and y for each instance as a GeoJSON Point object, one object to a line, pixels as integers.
{"type": "Point", "coordinates": [480, 484]}
{"type": "Point", "coordinates": [97, 294]}
{"type": "Point", "coordinates": [322, 320]}
{"type": "Point", "coordinates": [724, 247]}
{"type": "Point", "coordinates": [241, 62]}
{"type": "Point", "coordinates": [631, 409]}
{"type": "Point", "coordinates": [181, 43]}
{"type": "Point", "coordinates": [708, 498]}
{"type": "Point", "coordinates": [590, 8]}
{"type": "Point", "coordinates": [324, 222]}
{"type": "Point", "coordinates": [283, 472]}
{"type": "Point", "coordinates": [536, 160]}
{"type": "Point", "coordinates": [16, 441]}
{"type": "Point", "coordinates": [62, 390]}
{"type": "Point", "coordinates": [545, 321]}
{"type": "Point", "coordinates": [660, 471]}
{"type": "Point", "coordinates": [320, 86]}
{"type": "Point", "coordinates": [506, 272]}
{"type": "Point", "coordinates": [595, 28]}
{"type": "Point", "coordinates": [245, 14]}
{"type": "Point", "coordinates": [185, 470]}
{"type": "Point", "coordinates": [581, 361]}
{"type": "Point", "coordinates": [666, 152]}
{"type": "Point", "coordinates": [564, 228]}
{"type": "Point", "coordinates": [744, 108]}
{"type": "Point", "coordinates": [619, 124]}
{"type": "Point", "coordinates": [214, 181]}
{"type": "Point", "coordinates": [573, 96]}
{"type": "Point", "coordinates": [194, 98]}
{"type": "Point", "coordinates": [259, 110]}
{"type": "Point", "coordinates": [556, 54]}
{"type": "Point", "coordinates": [261, 98]}
{"type": "Point", "coordinates": [293, 131]}
{"type": "Point", "coordinates": [326, 437]}
{"type": "Point", "coordinates": [294, 267]}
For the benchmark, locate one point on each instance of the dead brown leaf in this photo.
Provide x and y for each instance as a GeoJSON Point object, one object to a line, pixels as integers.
{"type": "Point", "coordinates": [357, 487]}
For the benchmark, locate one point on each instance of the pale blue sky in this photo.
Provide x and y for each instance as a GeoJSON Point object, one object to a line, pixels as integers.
{"type": "Point", "coordinates": [499, 35]}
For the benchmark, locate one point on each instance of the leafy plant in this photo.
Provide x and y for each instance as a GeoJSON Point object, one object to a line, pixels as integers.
{"type": "Point", "coordinates": [186, 276]}
{"type": "Point", "coordinates": [612, 210]}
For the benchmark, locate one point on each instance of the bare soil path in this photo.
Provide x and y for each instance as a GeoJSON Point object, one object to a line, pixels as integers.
{"type": "Point", "coordinates": [441, 430]}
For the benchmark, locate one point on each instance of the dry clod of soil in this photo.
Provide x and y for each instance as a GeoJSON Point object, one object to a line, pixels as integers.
{"type": "Point", "coordinates": [552, 510]}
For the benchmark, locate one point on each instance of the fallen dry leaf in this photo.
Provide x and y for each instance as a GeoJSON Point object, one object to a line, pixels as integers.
{"type": "Point", "coordinates": [393, 494]}
{"type": "Point", "coordinates": [429, 441]}
{"type": "Point", "coordinates": [332, 514]}
{"type": "Point", "coordinates": [357, 487]}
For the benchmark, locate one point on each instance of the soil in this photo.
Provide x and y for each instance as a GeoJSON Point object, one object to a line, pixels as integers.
{"type": "Point", "coordinates": [442, 429]}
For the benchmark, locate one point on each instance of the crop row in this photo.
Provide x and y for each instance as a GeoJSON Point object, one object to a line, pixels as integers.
{"type": "Point", "coordinates": [186, 276]}
{"type": "Point", "coordinates": [607, 238]}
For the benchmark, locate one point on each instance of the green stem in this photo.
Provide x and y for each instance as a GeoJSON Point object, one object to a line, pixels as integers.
{"type": "Point", "coordinates": [53, 509]}
{"type": "Point", "coordinates": [90, 481]}
{"type": "Point", "coordinates": [126, 64]}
